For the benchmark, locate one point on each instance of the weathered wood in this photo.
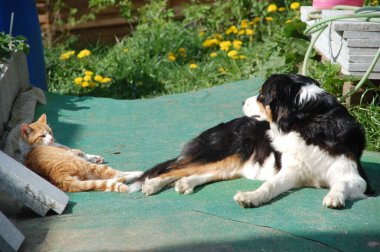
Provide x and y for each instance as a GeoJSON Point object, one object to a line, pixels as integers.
{"type": "Point", "coordinates": [28, 188]}
{"type": "Point", "coordinates": [361, 35]}
{"type": "Point", "coordinates": [10, 237]}
{"type": "Point", "coordinates": [356, 26]}
{"type": "Point", "coordinates": [373, 43]}
{"type": "Point", "coordinates": [361, 58]}
{"type": "Point", "coordinates": [362, 67]}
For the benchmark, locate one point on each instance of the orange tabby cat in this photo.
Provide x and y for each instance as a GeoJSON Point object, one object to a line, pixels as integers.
{"type": "Point", "coordinates": [70, 170]}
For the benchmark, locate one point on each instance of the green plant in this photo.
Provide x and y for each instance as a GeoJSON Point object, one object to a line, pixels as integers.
{"type": "Point", "coordinates": [10, 44]}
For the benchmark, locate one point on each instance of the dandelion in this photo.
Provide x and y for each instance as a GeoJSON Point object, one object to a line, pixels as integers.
{"type": "Point", "coordinates": [272, 8]}
{"type": "Point", "coordinates": [87, 77]}
{"type": "Point", "coordinates": [269, 19]}
{"type": "Point", "coordinates": [78, 80]}
{"type": "Point", "coordinates": [256, 20]}
{"type": "Point", "coordinates": [182, 51]}
{"type": "Point", "coordinates": [171, 57]}
{"type": "Point", "coordinates": [213, 54]}
{"type": "Point", "coordinates": [241, 32]}
{"type": "Point", "coordinates": [210, 42]}
{"type": "Point", "coordinates": [295, 5]}
{"type": "Point", "coordinates": [281, 9]}
{"type": "Point", "coordinates": [231, 29]}
{"type": "Point", "coordinates": [92, 84]}
{"type": "Point", "coordinates": [201, 34]}
{"type": "Point", "coordinates": [237, 44]}
{"type": "Point", "coordinates": [85, 84]}
{"type": "Point", "coordinates": [217, 36]}
{"type": "Point", "coordinates": [233, 54]}
{"type": "Point", "coordinates": [66, 55]}
{"type": "Point", "coordinates": [244, 24]}
{"type": "Point", "coordinates": [222, 70]}
{"type": "Point", "coordinates": [125, 50]}
{"type": "Point", "coordinates": [106, 80]}
{"type": "Point", "coordinates": [242, 57]}
{"type": "Point", "coordinates": [88, 73]}
{"type": "Point", "coordinates": [288, 21]}
{"type": "Point", "coordinates": [98, 78]}
{"type": "Point", "coordinates": [84, 53]}
{"type": "Point", "coordinates": [249, 32]}
{"type": "Point", "coordinates": [225, 45]}
{"type": "Point", "coordinates": [193, 66]}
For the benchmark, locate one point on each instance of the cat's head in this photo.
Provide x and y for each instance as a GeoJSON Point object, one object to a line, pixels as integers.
{"type": "Point", "coordinates": [37, 133]}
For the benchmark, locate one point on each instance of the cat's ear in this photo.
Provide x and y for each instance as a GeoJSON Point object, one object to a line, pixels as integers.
{"type": "Point", "coordinates": [25, 129]}
{"type": "Point", "coordinates": [42, 118]}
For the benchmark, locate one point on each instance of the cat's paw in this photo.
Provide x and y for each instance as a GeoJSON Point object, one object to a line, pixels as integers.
{"type": "Point", "coordinates": [248, 199]}
{"type": "Point", "coordinates": [334, 200]}
{"type": "Point", "coordinates": [151, 186]}
{"type": "Point", "coordinates": [183, 186]}
{"type": "Point", "coordinates": [95, 159]}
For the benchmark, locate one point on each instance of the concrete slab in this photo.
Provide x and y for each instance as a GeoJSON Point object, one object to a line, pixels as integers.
{"type": "Point", "coordinates": [23, 185]}
{"type": "Point", "coordinates": [10, 237]}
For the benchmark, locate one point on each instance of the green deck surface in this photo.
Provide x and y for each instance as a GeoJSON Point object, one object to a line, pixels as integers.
{"type": "Point", "coordinates": [134, 135]}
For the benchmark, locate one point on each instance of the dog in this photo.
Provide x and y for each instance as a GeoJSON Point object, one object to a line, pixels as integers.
{"type": "Point", "coordinates": [238, 148]}
{"type": "Point", "coordinates": [319, 141]}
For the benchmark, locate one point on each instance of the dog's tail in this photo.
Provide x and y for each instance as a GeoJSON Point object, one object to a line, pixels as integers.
{"type": "Point", "coordinates": [151, 173]}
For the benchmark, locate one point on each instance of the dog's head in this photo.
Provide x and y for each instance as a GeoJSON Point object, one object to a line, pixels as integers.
{"type": "Point", "coordinates": [281, 96]}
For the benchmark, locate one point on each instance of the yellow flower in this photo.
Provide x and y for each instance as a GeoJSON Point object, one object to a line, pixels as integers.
{"type": "Point", "coordinates": [171, 57]}
{"type": "Point", "coordinates": [98, 78]}
{"type": "Point", "coordinates": [66, 55]}
{"type": "Point", "coordinates": [269, 19]}
{"type": "Point", "coordinates": [106, 80]}
{"type": "Point", "coordinates": [244, 24]}
{"type": "Point", "coordinates": [295, 5]}
{"type": "Point", "coordinates": [201, 34]}
{"type": "Point", "coordinates": [281, 9]}
{"type": "Point", "coordinates": [88, 73]}
{"type": "Point", "coordinates": [218, 36]}
{"type": "Point", "coordinates": [249, 32]}
{"type": "Point", "coordinates": [210, 42]}
{"type": "Point", "coordinates": [225, 45]}
{"type": "Point", "coordinates": [256, 20]}
{"type": "Point", "coordinates": [242, 57]}
{"type": "Point", "coordinates": [272, 8]}
{"type": "Point", "coordinates": [237, 44]}
{"type": "Point", "coordinates": [241, 32]}
{"type": "Point", "coordinates": [85, 84]}
{"type": "Point", "coordinates": [232, 29]}
{"type": "Point", "coordinates": [125, 50]}
{"type": "Point", "coordinates": [87, 77]}
{"type": "Point", "coordinates": [222, 70]}
{"type": "Point", "coordinates": [84, 53]}
{"type": "Point", "coordinates": [233, 54]}
{"type": "Point", "coordinates": [288, 21]}
{"type": "Point", "coordinates": [213, 54]}
{"type": "Point", "coordinates": [193, 66]}
{"type": "Point", "coordinates": [78, 80]}
{"type": "Point", "coordinates": [182, 50]}
{"type": "Point", "coordinates": [92, 84]}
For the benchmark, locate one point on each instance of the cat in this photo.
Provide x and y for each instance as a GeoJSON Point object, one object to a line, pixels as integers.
{"type": "Point", "coordinates": [71, 170]}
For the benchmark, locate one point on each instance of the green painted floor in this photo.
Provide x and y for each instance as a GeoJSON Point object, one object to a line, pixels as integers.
{"type": "Point", "coordinates": [134, 135]}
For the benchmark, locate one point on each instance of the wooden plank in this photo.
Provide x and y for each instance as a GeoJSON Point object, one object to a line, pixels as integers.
{"type": "Point", "coordinates": [371, 43]}
{"type": "Point", "coordinates": [362, 67]}
{"type": "Point", "coordinates": [361, 51]}
{"type": "Point", "coordinates": [372, 76]}
{"type": "Point", "coordinates": [28, 188]}
{"type": "Point", "coordinates": [361, 58]}
{"type": "Point", "coordinates": [10, 237]}
{"type": "Point", "coordinates": [361, 35]}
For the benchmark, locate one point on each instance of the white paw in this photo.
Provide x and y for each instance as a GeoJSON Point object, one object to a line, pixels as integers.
{"type": "Point", "coordinates": [151, 186]}
{"type": "Point", "coordinates": [130, 175]}
{"type": "Point", "coordinates": [95, 158]}
{"type": "Point", "coordinates": [334, 200]}
{"type": "Point", "coordinates": [249, 199]}
{"type": "Point", "coordinates": [183, 186]}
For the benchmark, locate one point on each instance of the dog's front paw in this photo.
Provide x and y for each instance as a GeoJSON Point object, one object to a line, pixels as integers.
{"type": "Point", "coordinates": [248, 199]}
{"type": "Point", "coordinates": [334, 200]}
{"type": "Point", "coordinates": [95, 159]}
{"type": "Point", "coordinates": [183, 186]}
{"type": "Point", "coordinates": [151, 186]}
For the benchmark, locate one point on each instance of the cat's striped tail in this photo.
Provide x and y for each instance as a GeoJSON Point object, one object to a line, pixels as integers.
{"type": "Point", "coordinates": [106, 185]}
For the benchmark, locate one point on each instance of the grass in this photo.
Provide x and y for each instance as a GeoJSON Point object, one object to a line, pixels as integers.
{"type": "Point", "coordinates": [212, 45]}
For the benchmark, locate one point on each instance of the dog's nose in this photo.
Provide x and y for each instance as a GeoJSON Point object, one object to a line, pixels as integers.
{"type": "Point", "coordinates": [243, 103]}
